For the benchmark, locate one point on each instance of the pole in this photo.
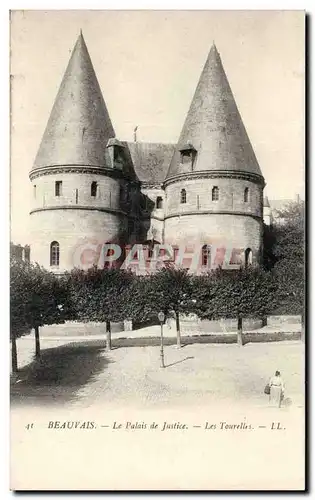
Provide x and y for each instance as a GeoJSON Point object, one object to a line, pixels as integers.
{"type": "Point", "coordinates": [37, 342]}
{"type": "Point", "coordinates": [108, 336]}
{"type": "Point", "coordinates": [14, 354]}
{"type": "Point", "coordinates": [162, 348]}
{"type": "Point", "coordinates": [178, 341]}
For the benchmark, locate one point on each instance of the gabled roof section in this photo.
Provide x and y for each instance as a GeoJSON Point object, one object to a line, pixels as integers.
{"type": "Point", "coordinates": [214, 126]}
{"type": "Point", "coordinates": [151, 160]}
{"type": "Point", "coordinates": [79, 125]}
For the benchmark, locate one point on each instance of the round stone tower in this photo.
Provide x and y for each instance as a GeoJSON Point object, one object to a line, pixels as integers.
{"type": "Point", "coordinates": [214, 186]}
{"type": "Point", "coordinates": [79, 176]}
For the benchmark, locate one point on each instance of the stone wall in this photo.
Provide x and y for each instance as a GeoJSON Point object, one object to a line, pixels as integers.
{"type": "Point", "coordinates": [76, 190]}
{"type": "Point", "coordinates": [199, 196]}
{"type": "Point", "coordinates": [236, 232]}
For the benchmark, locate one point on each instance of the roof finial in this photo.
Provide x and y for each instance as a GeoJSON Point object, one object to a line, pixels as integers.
{"type": "Point", "coordinates": [135, 134]}
{"type": "Point", "coordinates": [81, 34]}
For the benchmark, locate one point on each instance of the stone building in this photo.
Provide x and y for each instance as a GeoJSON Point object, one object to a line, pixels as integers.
{"type": "Point", "coordinates": [90, 187]}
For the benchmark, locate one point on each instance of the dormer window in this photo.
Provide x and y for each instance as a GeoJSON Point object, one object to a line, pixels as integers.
{"type": "Point", "coordinates": [118, 157]}
{"type": "Point", "coordinates": [116, 152]}
{"type": "Point", "coordinates": [188, 155]}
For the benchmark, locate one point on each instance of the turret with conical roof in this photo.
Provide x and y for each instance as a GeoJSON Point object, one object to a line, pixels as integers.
{"type": "Point", "coordinates": [214, 183]}
{"type": "Point", "coordinates": [79, 125]}
{"type": "Point", "coordinates": [81, 175]}
{"type": "Point", "coordinates": [214, 126]}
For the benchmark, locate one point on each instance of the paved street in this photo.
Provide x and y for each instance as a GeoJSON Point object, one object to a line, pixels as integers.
{"type": "Point", "coordinates": [84, 374]}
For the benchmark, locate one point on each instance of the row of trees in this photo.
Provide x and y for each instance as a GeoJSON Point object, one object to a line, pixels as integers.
{"type": "Point", "coordinates": [112, 295]}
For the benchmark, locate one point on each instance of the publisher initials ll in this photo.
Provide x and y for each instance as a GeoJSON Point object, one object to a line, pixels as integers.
{"type": "Point", "coordinates": [276, 426]}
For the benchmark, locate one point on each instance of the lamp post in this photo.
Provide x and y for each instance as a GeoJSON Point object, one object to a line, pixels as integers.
{"type": "Point", "coordinates": [161, 317]}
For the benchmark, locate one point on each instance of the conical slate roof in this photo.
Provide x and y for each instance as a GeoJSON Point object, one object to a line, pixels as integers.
{"type": "Point", "coordinates": [214, 126]}
{"type": "Point", "coordinates": [79, 126]}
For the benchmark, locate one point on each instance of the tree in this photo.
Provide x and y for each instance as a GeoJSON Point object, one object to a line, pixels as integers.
{"type": "Point", "coordinates": [206, 294]}
{"type": "Point", "coordinates": [171, 293]}
{"type": "Point", "coordinates": [95, 295]}
{"type": "Point", "coordinates": [247, 292]}
{"type": "Point", "coordinates": [289, 244]}
{"type": "Point", "coordinates": [284, 240]}
{"type": "Point", "coordinates": [37, 298]}
{"type": "Point", "coordinates": [229, 294]}
{"type": "Point", "coordinates": [18, 301]}
{"type": "Point", "coordinates": [136, 302]}
{"type": "Point", "coordinates": [285, 247]}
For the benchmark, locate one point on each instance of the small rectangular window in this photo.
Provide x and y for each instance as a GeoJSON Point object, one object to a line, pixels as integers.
{"type": "Point", "coordinates": [58, 188]}
{"type": "Point", "coordinates": [94, 189]}
{"type": "Point", "coordinates": [34, 190]}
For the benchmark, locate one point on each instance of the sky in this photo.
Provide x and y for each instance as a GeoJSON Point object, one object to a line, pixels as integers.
{"type": "Point", "coordinates": [148, 64]}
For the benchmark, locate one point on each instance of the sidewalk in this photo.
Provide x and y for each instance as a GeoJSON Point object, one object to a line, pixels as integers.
{"type": "Point", "coordinates": [97, 332]}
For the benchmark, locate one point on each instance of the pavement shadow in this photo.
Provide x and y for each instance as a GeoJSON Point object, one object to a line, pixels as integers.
{"type": "Point", "coordinates": [179, 361]}
{"type": "Point", "coordinates": [57, 377]}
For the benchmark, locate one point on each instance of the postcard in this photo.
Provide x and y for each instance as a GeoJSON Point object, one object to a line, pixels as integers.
{"type": "Point", "coordinates": [157, 327]}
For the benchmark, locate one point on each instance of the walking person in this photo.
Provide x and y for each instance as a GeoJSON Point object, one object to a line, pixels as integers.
{"type": "Point", "coordinates": [276, 390]}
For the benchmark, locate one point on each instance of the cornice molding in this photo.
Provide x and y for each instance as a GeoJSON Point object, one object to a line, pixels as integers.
{"type": "Point", "coordinates": [213, 212]}
{"type": "Point", "coordinates": [216, 174]}
{"type": "Point", "coordinates": [148, 185]}
{"type": "Point", "coordinates": [80, 169]}
{"type": "Point", "coordinates": [81, 207]}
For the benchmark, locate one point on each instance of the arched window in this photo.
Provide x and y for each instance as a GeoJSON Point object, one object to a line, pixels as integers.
{"type": "Point", "coordinates": [205, 256]}
{"type": "Point", "coordinates": [215, 193]}
{"type": "Point", "coordinates": [54, 253]}
{"type": "Point", "coordinates": [94, 189]}
{"type": "Point", "coordinates": [246, 195]}
{"type": "Point", "coordinates": [159, 202]}
{"type": "Point", "coordinates": [248, 257]}
{"type": "Point", "coordinates": [183, 196]}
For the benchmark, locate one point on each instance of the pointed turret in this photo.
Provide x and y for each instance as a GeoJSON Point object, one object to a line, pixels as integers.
{"type": "Point", "coordinates": [79, 126]}
{"type": "Point", "coordinates": [214, 128]}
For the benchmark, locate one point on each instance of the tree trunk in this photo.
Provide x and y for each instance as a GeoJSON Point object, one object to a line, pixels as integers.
{"type": "Point", "coordinates": [264, 321]}
{"type": "Point", "coordinates": [37, 342]}
{"type": "Point", "coordinates": [14, 355]}
{"type": "Point", "coordinates": [178, 329]}
{"type": "Point", "coordinates": [240, 330]}
{"type": "Point", "coordinates": [303, 327]}
{"type": "Point", "coordinates": [108, 336]}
